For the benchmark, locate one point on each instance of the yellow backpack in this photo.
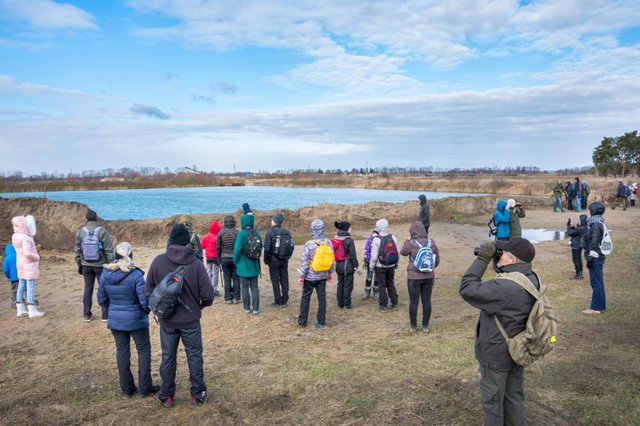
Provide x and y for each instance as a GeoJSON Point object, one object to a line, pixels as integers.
{"type": "Point", "coordinates": [323, 258]}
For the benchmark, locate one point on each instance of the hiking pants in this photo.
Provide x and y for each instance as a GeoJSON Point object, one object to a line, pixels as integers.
{"type": "Point", "coordinates": [305, 300]}
{"type": "Point", "coordinates": [279, 275]}
{"type": "Point", "coordinates": [344, 290]}
{"type": "Point", "coordinates": [596, 276]}
{"type": "Point", "coordinates": [213, 270]}
{"type": "Point", "coordinates": [250, 284]}
{"type": "Point", "coordinates": [420, 290]}
{"type": "Point", "coordinates": [230, 278]}
{"type": "Point", "coordinates": [386, 286]}
{"type": "Point", "coordinates": [192, 342]}
{"type": "Point", "coordinates": [576, 255]}
{"type": "Point", "coordinates": [91, 275]}
{"type": "Point", "coordinates": [30, 287]}
{"type": "Point", "coordinates": [123, 360]}
{"type": "Point", "coordinates": [502, 396]}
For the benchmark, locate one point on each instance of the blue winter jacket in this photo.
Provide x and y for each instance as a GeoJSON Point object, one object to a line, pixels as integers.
{"type": "Point", "coordinates": [122, 293]}
{"type": "Point", "coordinates": [501, 219]}
{"type": "Point", "coordinates": [9, 265]}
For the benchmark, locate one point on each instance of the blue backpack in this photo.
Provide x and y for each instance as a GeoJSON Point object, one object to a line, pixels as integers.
{"type": "Point", "coordinates": [91, 245]}
{"type": "Point", "coordinates": [425, 260]}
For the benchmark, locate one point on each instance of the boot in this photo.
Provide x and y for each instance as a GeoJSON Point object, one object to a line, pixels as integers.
{"type": "Point", "coordinates": [579, 276]}
{"type": "Point", "coordinates": [376, 295]}
{"type": "Point", "coordinates": [366, 294]}
{"type": "Point", "coordinates": [34, 312]}
{"type": "Point", "coordinates": [22, 309]}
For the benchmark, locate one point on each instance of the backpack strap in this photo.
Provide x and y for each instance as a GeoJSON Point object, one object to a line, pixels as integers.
{"type": "Point", "coordinates": [182, 270]}
{"type": "Point", "coordinates": [524, 282]}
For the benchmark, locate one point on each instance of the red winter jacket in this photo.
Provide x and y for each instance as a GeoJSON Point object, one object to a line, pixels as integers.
{"type": "Point", "coordinates": [210, 240]}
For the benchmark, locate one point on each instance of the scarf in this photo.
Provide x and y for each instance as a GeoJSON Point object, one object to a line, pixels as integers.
{"type": "Point", "coordinates": [595, 218]}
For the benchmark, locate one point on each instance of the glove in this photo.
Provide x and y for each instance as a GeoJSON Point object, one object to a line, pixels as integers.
{"type": "Point", "coordinates": [80, 269]}
{"type": "Point", "coordinates": [589, 262]}
{"type": "Point", "coordinates": [486, 252]}
{"type": "Point", "coordinates": [569, 222]}
{"type": "Point", "coordinates": [593, 254]}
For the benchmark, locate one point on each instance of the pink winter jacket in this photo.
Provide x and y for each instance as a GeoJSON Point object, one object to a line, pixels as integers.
{"type": "Point", "coordinates": [28, 260]}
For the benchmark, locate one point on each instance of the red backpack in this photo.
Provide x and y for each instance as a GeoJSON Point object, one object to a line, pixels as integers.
{"type": "Point", "coordinates": [338, 250]}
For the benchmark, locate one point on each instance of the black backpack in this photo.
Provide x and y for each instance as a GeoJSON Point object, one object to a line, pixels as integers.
{"type": "Point", "coordinates": [166, 295]}
{"type": "Point", "coordinates": [254, 245]}
{"type": "Point", "coordinates": [388, 251]}
{"type": "Point", "coordinates": [283, 245]}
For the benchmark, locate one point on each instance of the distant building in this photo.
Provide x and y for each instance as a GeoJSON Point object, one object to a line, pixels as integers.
{"type": "Point", "coordinates": [112, 179]}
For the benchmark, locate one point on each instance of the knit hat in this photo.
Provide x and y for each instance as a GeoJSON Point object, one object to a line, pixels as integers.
{"type": "Point", "coordinates": [342, 226]}
{"type": "Point", "coordinates": [179, 235]}
{"type": "Point", "coordinates": [519, 247]}
{"type": "Point", "coordinates": [596, 208]}
{"type": "Point", "coordinates": [511, 203]}
{"type": "Point", "coordinates": [124, 249]}
{"type": "Point", "coordinates": [278, 218]}
{"type": "Point", "coordinates": [245, 208]}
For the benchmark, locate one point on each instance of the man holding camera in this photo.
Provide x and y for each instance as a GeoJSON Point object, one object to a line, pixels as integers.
{"type": "Point", "coordinates": [502, 380]}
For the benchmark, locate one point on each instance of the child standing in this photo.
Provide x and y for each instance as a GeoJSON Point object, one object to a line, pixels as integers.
{"type": "Point", "coordinates": [344, 250]}
{"type": "Point", "coordinates": [10, 270]}
{"type": "Point", "coordinates": [365, 264]}
{"type": "Point", "coordinates": [28, 264]}
{"type": "Point", "coordinates": [578, 236]}
{"type": "Point", "coordinates": [209, 245]}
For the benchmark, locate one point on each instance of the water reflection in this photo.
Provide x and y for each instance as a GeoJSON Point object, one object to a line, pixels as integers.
{"type": "Point", "coordinates": [538, 235]}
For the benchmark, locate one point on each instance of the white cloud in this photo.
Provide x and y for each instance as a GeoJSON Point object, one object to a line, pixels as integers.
{"type": "Point", "coordinates": [47, 14]}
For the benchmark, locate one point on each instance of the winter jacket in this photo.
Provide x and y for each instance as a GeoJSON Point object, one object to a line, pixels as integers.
{"type": "Point", "coordinates": [107, 254]}
{"type": "Point", "coordinates": [424, 215]}
{"type": "Point", "coordinates": [122, 294]}
{"type": "Point", "coordinates": [501, 218]}
{"type": "Point", "coordinates": [578, 233]}
{"type": "Point", "coordinates": [367, 248]}
{"type": "Point", "coordinates": [515, 229]}
{"type": "Point", "coordinates": [504, 298]}
{"type": "Point", "coordinates": [227, 238]}
{"type": "Point", "coordinates": [410, 248]}
{"type": "Point", "coordinates": [27, 258]}
{"type": "Point", "coordinates": [350, 264]}
{"type": "Point", "coordinates": [197, 291]}
{"type": "Point", "coordinates": [270, 244]}
{"type": "Point", "coordinates": [9, 266]}
{"type": "Point", "coordinates": [383, 230]}
{"type": "Point", "coordinates": [621, 191]}
{"type": "Point", "coordinates": [309, 250]}
{"type": "Point", "coordinates": [558, 190]}
{"type": "Point", "coordinates": [595, 232]}
{"type": "Point", "coordinates": [209, 241]}
{"type": "Point", "coordinates": [246, 267]}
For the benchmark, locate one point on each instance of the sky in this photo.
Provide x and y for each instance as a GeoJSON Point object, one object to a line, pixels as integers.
{"type": "Point", "coordinates": [291, 84]}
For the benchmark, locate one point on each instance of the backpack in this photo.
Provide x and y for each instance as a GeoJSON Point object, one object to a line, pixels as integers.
{"type": "Point", "coordinates": [606, 245]}
{"type": "Point", "coordinates": [539, 336]}
{"type": "Point", "coordinates": [166, 295]}
{"type": "Point", "coordinates": [323, 257]}
{"type": "Point", "coordinates": [91, 245]}
{"type": "Point", "coordinates": [254, 244]}
{"type": "Point", "coordinates": [283, 245]}
{"type": "Point", "coordinates": [425, 260]}
{"type": "Point", "coordinates": [338, 250]}
{"type": "Point", "coordinates": [586, 190]}
{"type": "Point", "coordinates": [388, 254]}
{"type": "Point", "coordinates": [493, 228]}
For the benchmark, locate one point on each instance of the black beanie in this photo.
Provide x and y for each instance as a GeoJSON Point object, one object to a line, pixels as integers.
{"type": "Point", "coordinates": [180, 235]}
{"type": "Point", "coordinates": [343, 226]}
{"type": "Point", "coordinates": [278, 218]}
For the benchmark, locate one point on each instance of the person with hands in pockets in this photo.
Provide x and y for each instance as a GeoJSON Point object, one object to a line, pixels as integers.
{"type": "Point", "coordinates": [595, 258]}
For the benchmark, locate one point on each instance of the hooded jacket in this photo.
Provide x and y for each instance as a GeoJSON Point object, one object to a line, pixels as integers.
{"type": "Point", "coordinates": [122, 294]}
{"type": "Point", "coordinates": [595, 231]}
{"type": "Point", "coordinates": [27, 258]}
{"type": "Point", "coordinates": [309, 250]}
{"type": "Point", "coordinates": [501, 218]}
{"type": "Point", "coordinates": [197, 291]}
{"type": "Point", "coordinates": [350, 264]}
{"type": "Point", "coordinates": [270, 247]}
{"type": "Point", "coordinates": [410, 248]}
{"type": "Point", "coordinates": [515, 213]}
{"type": "Point", "coordinates": [209, 241]}
{"type": "Point", "coordinates": [107, 254]}
{"type": "Point", "coordinates": [424, 215]}
{"type": "Point", "coordinates": [9, 266]}
{"type": "Point", "coordinates": [227, 238]}
{"type": "Point", "coordinates": [578, 233]}
{"type": "Point", "coordinates": [382, 226]}
{"type": "Point", "coordinates": [247, 268]}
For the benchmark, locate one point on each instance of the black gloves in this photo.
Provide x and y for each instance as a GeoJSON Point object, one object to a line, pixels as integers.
{"type": "Point", "coordinates": [569, 222]}
{"type": "Point", "coordinates": [589, 262]}
{"type": "Point", "coordinates": [486, 252]}
{"type": "Point", "coordinates": [80, 269]}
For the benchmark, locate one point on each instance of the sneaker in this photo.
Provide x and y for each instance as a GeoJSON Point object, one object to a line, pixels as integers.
{"type": "Point", "coordinates": [168, 403]}
{"type": "Point", "coordinates": [196, 402]}
{"type": "Point", "coordinates": [237, 301]}
{"type": "Point", "coordinates": [318, 325]}
{"type": "Point", "coordinates": [129, 395]}
{"type": "Point", "coordinates": [347, 307]}
{"type": "Point", "coordinates": [88, 318]}
{"type": "Point", "coordinates": [426, 330]}
{"type": "Point", "coordinates": [382, 309]}
{"type": "Point", "coordinates": [284, 305]}
{"type": "Point", "coordinates": [275, 305]}
{"type": "Point", "coordinates": [256, 312]}
{"type": "Point", "coordinates": [228, 302]}
{"type": "Point", "coordinates": [154, 389]}
{"type": "Point", "coordinates": [394, 307]}
{"type": "Point", "coordinates": [247, 311]}
{"type": "Point", "coordinates": [301, 325]}
{"type": "Point", "coordinates": [591, 312]}
{"type": "Point", "coordinates": [412, 330]}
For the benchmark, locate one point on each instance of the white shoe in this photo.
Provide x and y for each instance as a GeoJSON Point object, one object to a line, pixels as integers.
{"type": "Point", "coordinates": [34, 312]}
{"type": "Point", "coordinates": [22, 309]}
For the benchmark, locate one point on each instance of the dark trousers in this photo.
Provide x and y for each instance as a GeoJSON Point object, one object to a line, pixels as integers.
{"type": "Point", "coordinates": [123, 360]}
{"type": "Point", "coordinates": [596, 276]}
{"type": "Point", "coordinates": [14, 293]}
{"type": "Point", "coordinates": [305, 300]}
{"type": "Point", "coordinates": [576, 255]}
{"type": "Point", "coordinates": [279, 274]}
{"type": "Point", "coordinates": [502, 396]}
{"type": "Point", "coordinates": [230, 278]}
{"type": "Point", "coordinates": [192, 342]}
{"type": "Point", "coordinates": [344, 290]}
{"type": "Point", "coordinates": [386, 285]}
{"type": "Point", "coordinates": [250, 293]}
{"type": "Point", "coordinates": [91, 275]}
{"type": "Point", "coordinates": [420, 290]}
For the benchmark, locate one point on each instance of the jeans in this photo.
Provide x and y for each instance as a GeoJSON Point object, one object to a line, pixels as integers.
{"type": "Point", "coordinates": [305, 300]}
{"type": "Point", "coordinates": [230, 278]}
{"type": "Point", "coordinates": [213, 270]}
{"type": "Point", "coordinates": [279, 275]}
{"type": "Point", "coordinates": [192, 342]}
{"type": "Point", "coordinates": [91, 274]}
{"type": "Point", "coordinates": [123, 360]}
{"type": "Point", "coordinates": [250, 283]}
{"type": "Point", "coordinates": [576, 255]}
{"type": "Point", "coordinates": [598, 298]}
{"type": "Point", "coordinates": [558, 204]}
{"type": "Point", "coordinates": [420, 290]}
{"type": "Point", "coordinates": [30, 286]}
{"type": "Point", "coordinates": [578, 203]}
{"type": "Point", "coordinates": [386, 286]}
{"type": "Point", "coordinates": [502, 395]}
{"type": "Point", "coordinates": [344, 290]}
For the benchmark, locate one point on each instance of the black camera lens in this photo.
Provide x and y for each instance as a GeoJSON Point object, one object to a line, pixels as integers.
{"type": "Point", "coordinates": [476, 251]}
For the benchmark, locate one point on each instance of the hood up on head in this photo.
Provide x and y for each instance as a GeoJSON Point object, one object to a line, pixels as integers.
{"type": "Point", "coordinates": [317, 229]}
{"type": "Point", "coordinates": [31, 224]}
{"type": "Point", "coordinates": [229, 221]}
{"type": "Point", "coordinates": [423, 199]}
{"type": "Point", "coordinates": [417, 230]}
{"type": "Point", "coordinates": [382, 226]}
{"type": "Point", "coordinates": [502, 204]}
{"type": "Point", "coordinates": [246, 221]}
{"type": "Point", "coordinates": [582, 220]}
{"type": "Point", "coordinates": [214, 227]}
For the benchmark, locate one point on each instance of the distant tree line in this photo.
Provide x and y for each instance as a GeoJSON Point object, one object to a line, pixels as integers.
{"type": "Point", "coordinates": [619, 155]}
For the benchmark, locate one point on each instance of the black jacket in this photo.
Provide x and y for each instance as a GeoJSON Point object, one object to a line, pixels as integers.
{"type": "Point", "coordinates": [595, 232]}
{"type": "Point", "coordinates": [501, 297]}
{"type": "Point", "coordinates": [424, 215]}
{"type": "Point", "coordinates": [197, 291]}
{"type": "Point", "coordinates": [350, 264]}
{"type": "Point", "coordinates": [270, 244]}
{"type": "Point", "coordinates": [227, 238]}
{"type": "Point", "coordinates": [578, 233]}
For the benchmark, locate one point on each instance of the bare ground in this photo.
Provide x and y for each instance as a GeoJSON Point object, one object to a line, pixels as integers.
{"type": "Point", "coordinates": [364, 368]}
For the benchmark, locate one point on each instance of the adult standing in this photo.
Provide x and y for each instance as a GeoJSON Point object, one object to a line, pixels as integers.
{"type": "Point", "coordinates": [209, 245]}
{"type": "Point", "coordinates": [501, 218]}
{"type": "Point", "coordinates": [224, 247]}
{"type": "Point", "coordinates": [246, 256]}
{"type": "Point", "coordinates": [621, 195]}
{"type": "Point", "coordinates": [382, 249]}
{"type": "Point", "coordinates": [184, 324]}
{"type": "Point", "coordinates": [516, 212]}
{"type": "Point", "coordinates": [278, 248]}
{"type": "Point", "coordinates": [93, 249]}
{"type": "Point", "coordinates": [579, 193]}
{"type": "Point", "coordinates": [121, 293]}
{"type": "Point", "coordinates": [424, 215]}
{"type": "Point", "coordinates": [578, 236]}
{"type": "Point", "coordinates": [194, 239]}
{"type": "Point", "coordinates": [595, 258]}
{"type": "Point", "coordinates": [569, 190]}
{"type": "Point", "coordinates": [27, 263]}
{"type": "Point", "coordinates": [558, 191]}
{"type": "Point", "coordinates": [502, 380]}
{"type": "Point", "coordinates": [346, 263]}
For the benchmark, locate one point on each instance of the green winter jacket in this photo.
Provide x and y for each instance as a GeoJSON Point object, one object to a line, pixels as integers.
{"type": "Point", "coordinates": [247, 268]}
{"type": "Point", "coordinates": [515, 229]}
{"type": "Point", "coordinates": [558, 190]}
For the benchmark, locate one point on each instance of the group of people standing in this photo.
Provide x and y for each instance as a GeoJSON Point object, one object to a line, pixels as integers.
{"type": "Point", "coordinates": [507, 219]}
{"type": "Point", "coordinates": [576, 195]}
